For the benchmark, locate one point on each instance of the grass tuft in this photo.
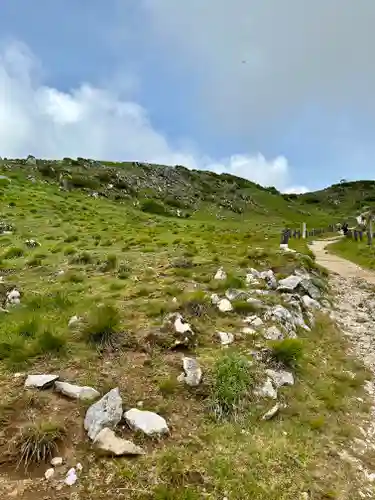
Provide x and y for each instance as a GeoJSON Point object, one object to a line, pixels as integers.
{"type": "Point", "coordinates": [102, 326]}
{"type": "Point", "coordinates": [36, 443]}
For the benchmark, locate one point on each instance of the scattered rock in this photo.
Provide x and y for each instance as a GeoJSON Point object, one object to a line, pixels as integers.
{"type": "Point", "coordinates": [253, 320]}
{"type": "Point", "coordinates": [174, 332]}
{"type": "Point", "coordinates": [146, 421]}
{"type": "Point", "coordinates": [289, 284]}
{"type": "Point", "coordinates": [32, 243]}
{"type": "Point", "coordinates": [73, 321]}
{"type": "Point", "coordinates": [13, 297]}
{"type": "Point", "coordinates": [192, 375]}
{"type": "Point", "coordinates": [309, 288]}
{"type": "Point", "coordinates": [106, 412]}
{"type": "Point", "coordinates": [272, 412]}
{"type": "Point", "coordinates": [40, 381]}
{"type": "Point", "coordinates": [226, 338]}
{"type": "Point", "coordinates": [233, 294]}
{"type": "Point", "coordinates": [106, 441]}
{"type": "Point", "coordinates": [281, 315]}
{"type": "Point", "coordinates": [273, 333]}
{"type": "Point", "coordinates": [215, 299]}
{"type": "Point", "coordinates": [49, 473]}
{"type": "Point", "coordinates": [269, 278]}
{"type": "Point", "coordinates": [310, 303]}
{"type": "Point", "coordinates": [281, 377]}
{"type": "Point", "coordinates": [225, 305]}
{"type": "Point", "coordinates": [266, 390]}
{"type": "Point", "coordinates": [248, 330]}
{"type": "Point", "coordinates": [82, 393]}
{"type": "Point", "coordinates": [71, 477]}
{"type": "Point", "coordinates": [220, 274]}
{"type": "Point", "coordinates": [57, 461]}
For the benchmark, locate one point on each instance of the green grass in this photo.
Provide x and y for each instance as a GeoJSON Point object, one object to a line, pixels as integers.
{"type": "Point", "coordinates": [122, 269]}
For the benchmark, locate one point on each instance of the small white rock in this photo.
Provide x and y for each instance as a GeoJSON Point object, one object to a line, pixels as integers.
{"type": "Point", "coordinates": [107, 442]}
{"type": "Point", "coordinates": [281, 377]}
{"type": "Point", "coordinates": [272, 412]}
{"type": "Point", "coordinates": [49, 473]}
{"type": "Point", "coordinates": [40, 381]}
{"type": "Point", "coordinates": [220, 274]}
{"type": "Point", "coordinates": [226, 338]}
{"type": "Point", "coordinates": [71, 477]}
{"type": "Point", "coordinates": [267, 390]}
{"type": "Point", "coordinates": [83, 393]}
{"type": "Point", "coordinates": [224, 305]}
{"type": "Point", "coordinates": [73, 321]}
{"type": "Point", "coordinates": [57, 461]}
{"type": "Point", "coordinates": [146, 421]}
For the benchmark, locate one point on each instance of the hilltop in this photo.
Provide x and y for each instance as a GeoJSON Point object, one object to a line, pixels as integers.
{"type": "Point", "coordinates": [165, 290]}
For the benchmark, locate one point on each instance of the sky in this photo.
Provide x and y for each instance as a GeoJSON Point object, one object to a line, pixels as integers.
{"type": "Point", "coordinates": [281, 93]}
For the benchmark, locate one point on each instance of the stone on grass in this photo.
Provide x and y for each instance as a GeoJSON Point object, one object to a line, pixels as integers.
{"type": "Point", "coordinates": [281, 377]}
{"type": "Point", "coordinates": [32, 243]}
{"type": "Point", "coordinates": [253, 320]}
{"type": "Point", "coordinates": [269, 278]}
{"type": "Point", "coordinates": [273, 333]}
{"type": "Point", "coordinates": [220, 274]}
{"type": "Point", "coordinates": [224, 305]}
{"type": "Point", "coordinates": [73, 321]}
{"type": "Point", "coordinates": [40, 381]}
{"type": "Point", "coordinates": [13, 297]}
{"type": "Point", "coordinates": [192, 375]}
{"type": "Point", "coordinates": [215, 299]}
{"type": "Point", "coordinates": [83, 393]}
{"type": "Point", "coordinates": [310, 288]}
{"type": "Point", "coordinates": [107, 442]}
{"type": "Point", "coordinates": [226, 338]}
{"type": "Point", "coordinates": [175, 332]}
{"type": "Point", "coordinates": [266, 390]}
{"type": "Point", "coordinates": [233, 294]}
{"type": "Point", "coordinates": [247, 330]}
{"type": "Point", "coordinates": [148, 422]}
{"type": "Point", "coordinates": [106, 412]}
{"type": "Point", "coordinates": [272, 412]}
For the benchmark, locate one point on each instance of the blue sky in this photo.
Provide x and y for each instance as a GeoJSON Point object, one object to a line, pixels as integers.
{"type": "Point", "coordinates": [278, 92]}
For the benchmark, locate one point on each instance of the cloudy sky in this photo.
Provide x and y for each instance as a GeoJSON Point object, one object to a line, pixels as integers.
{"type": "Point", "coordinates": [280, 92]}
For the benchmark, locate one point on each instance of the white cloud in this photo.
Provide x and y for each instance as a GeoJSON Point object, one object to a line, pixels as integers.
{"type": "Point", "coordinates": [95, 122]}
{"type": "Point", "coordinates": [296, 190]}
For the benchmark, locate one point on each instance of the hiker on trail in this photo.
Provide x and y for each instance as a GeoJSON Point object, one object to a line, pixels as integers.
{"type": "Point", "coordinates": [345, 228]}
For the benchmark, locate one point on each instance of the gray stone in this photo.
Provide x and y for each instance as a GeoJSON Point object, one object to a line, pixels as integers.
{"type": "Point", "coordinates": [107, 442]}
{"type": "Point", "coordinates": [272, 412]}
{"type": "Point", "coordinates": [269, 278]}
{"type": "Point", "coordinates": [82, 393]}
{"type": "Point", "coordinates": [273, 333]}
{"type": "Point", "coordinates": [308, 287]}
{"type": "Point", "coordinates": [40, 381]}
{"type": "Point", "coordinates": [74, 320]}
{"type": "Point", "coordinates": [281, 377]}
{"type": "Point", "coordinates": [146, 421]}
{"type": "Point", "coordinates": [224, 305]}
{"type": "Point", "coordinates": [266, 390]}
{"type": "Point", "coordinates": [253, 320]}
{"type": "Point", "coordinates": [220, 274]}
{"type": "Point", "coordinates": [215, 299]}
{"type": "Point", "coordinates": [310, 303]}
{"type": "Point", "coordinates": [233, 294]}
{"type": "Point", "coordinates": [192, 375]}
{"type": "Point", "coordinates": [57, 461]}
{"type": "Point", "coordinates": [289, 284]}
{"type": "Point", "coordinates": [106, 412]}
{"type": "Point", "coordinates": [281, 315]}
{"type": "Point", "coordinates": [226, 338]}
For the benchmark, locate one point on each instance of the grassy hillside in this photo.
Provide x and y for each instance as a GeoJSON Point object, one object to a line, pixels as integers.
{"type": "Point", "coordinates": [121, 261]}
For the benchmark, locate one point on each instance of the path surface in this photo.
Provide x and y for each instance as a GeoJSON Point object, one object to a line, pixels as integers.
{"type": "Point", "coordinates": [354, 312]}
{"type": "Point", "coordinates": [338, 265]}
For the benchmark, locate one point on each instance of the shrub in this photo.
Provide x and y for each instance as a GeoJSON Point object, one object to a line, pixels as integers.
{"type": "Point", "coordinates": [82, 258]}
{"type": "Point", "coordinates": [29, 328]}
{"type": "Point", "coordinates": [231, 386]}
{"type": "Point", "coordinates": [154, 207]}
{"type": "Point", "coordinates": [13, 253]}
{"type": "Point", "coordinates": [36, 443]}
{"type": "Point", "coordinates": [289, 352]}
{"type": "Point", "coordinates": [102, 326]}
{"type": "Point", "coordinates": [243, 307]}
{"type": "Point", "coordinates": [109, 264]}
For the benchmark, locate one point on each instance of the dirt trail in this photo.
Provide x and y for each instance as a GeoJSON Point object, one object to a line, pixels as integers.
{"type": "Point", "coordinates": [354, 312]}
{"type": "Point", "coordinates": [338, 265]}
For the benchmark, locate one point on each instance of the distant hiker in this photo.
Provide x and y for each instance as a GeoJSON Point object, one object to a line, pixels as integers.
{"type": "Point", "coordinates": [345, 228]}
